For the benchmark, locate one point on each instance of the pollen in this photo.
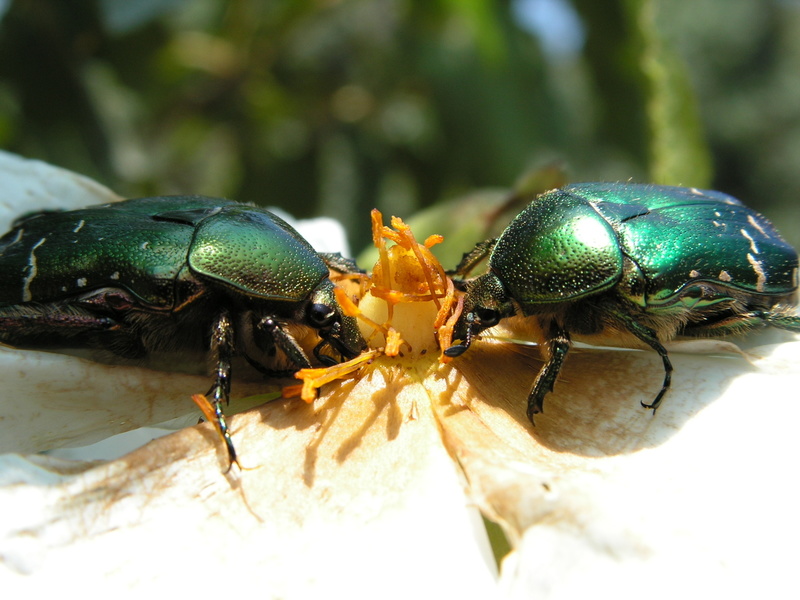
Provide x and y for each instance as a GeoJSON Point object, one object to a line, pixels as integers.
{"type": "Point", "coordinates": [407, 308]}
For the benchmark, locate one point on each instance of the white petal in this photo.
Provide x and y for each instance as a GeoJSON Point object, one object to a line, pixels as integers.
{"type": "Point", "coordinates": [31, 185]}
{"type": "Point", "coordinates": [603, 496]}
{"type": "Point", "coordinates": [322, 509]}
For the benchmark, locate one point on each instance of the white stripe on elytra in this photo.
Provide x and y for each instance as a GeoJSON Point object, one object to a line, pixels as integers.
{"type": "Point", "coordinates": [32, 271]}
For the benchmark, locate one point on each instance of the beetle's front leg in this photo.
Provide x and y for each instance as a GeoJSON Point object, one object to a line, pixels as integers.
{"type": "Point", "coordinates": [284, 341]}
{"type": "Point", "coordinates": [336, 262]}
{"type": "Point", "coordinates": [222, 336]}
{"type": "Point", "coordinates": [557, 344]}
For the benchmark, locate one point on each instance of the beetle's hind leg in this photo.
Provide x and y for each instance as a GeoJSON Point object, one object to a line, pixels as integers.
{"type": "Point", "coordinates": [782, 321]}
{"type": "Point", "coordinates": [51, 325]}
{"type": "Point", "coordinates": [779, 317]}
{"type": "Point", "coordinates": [648, 336]}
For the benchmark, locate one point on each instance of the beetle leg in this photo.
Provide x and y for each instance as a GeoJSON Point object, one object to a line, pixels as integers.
{"type": "Point", "coordinates": [336, 262]}
{"type": "Point", "coordinates": [459, 349]}
{"type": "Point", "coordinates": [284, 341]}
{"type": "Point", "coordinates": [648, 336]}
{"type": "Point", "coordinates": [326, 360]}
{"type": "Point", "coordinates": [742, 322]}
{"type": "Point", "coordinates": [779, 321]}
{"type": "Point", "coordinates": [48, 325]}
{"type": "Point", "coordinates": [19, 321]}
{"type": "Point", "coordinates": [558, 344]}
{"type": "Point", "coordinates": [473, 258]}
{"type": "Point", "coordinates": [222, 349]}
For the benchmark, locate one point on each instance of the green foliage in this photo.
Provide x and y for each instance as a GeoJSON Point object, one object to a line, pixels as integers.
{"type": "Point", "coordinates": [336, 107]}
{"type": "Point", "coordinates": [645, 95]}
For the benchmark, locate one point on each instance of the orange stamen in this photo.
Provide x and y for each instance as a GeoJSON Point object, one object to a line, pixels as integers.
{"type": "Point", "coordinates": [313, 379]}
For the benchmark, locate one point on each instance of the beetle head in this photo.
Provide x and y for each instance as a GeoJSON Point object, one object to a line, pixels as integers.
{"type": "Point", "coordinates": [324, 314]}
{"type": "Point", "coordinates": [486, 302]}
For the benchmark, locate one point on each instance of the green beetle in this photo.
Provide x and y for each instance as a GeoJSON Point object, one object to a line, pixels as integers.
{"type": "Point", "coordinates": [177, 276]}
{"type": "Point", "coordinates": [640, 263]}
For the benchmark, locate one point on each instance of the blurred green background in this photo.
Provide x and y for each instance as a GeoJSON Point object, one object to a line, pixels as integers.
{"type": "Point", "coordinates": [336, 106]}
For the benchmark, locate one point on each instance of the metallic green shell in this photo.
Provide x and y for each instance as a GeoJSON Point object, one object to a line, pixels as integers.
{"type": "Point", "coordinates": [584, 238]}
{"type": "Point", "coordinates": [257, 253]}
{"type": "Point", "coordinates": [557, 250]}
{"type": "Point", "coordinates": [61, 255]}
{"type": "Point", "coordinates": [682, 237]}
{"type": "Point", "coordinates": [143, 246]}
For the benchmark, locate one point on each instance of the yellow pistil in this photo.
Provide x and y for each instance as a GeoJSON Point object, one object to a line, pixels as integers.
{"type": "Point", "coordinates": [406, 274]}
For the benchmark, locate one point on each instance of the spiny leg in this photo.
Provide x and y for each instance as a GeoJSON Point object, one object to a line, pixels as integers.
{"type": "Point", "coordinates": [63, 325]}
{"type": "Point", "coordinates": [557, 344]}
{"type": "Point", "coordinates": [473, 258]}
{"type": "Point", "coordinates": [648, 336]}
{"type": "Point", "coordinates": [29, 324]}
{"type": "Point", "coordinates": [222, 348]}
{"type": "Point", "coordinates": [781, 318]}
{"type": "Point", "coordinates": [336, 262]}
{"type": "Point", "coordinates": [782, 321]}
